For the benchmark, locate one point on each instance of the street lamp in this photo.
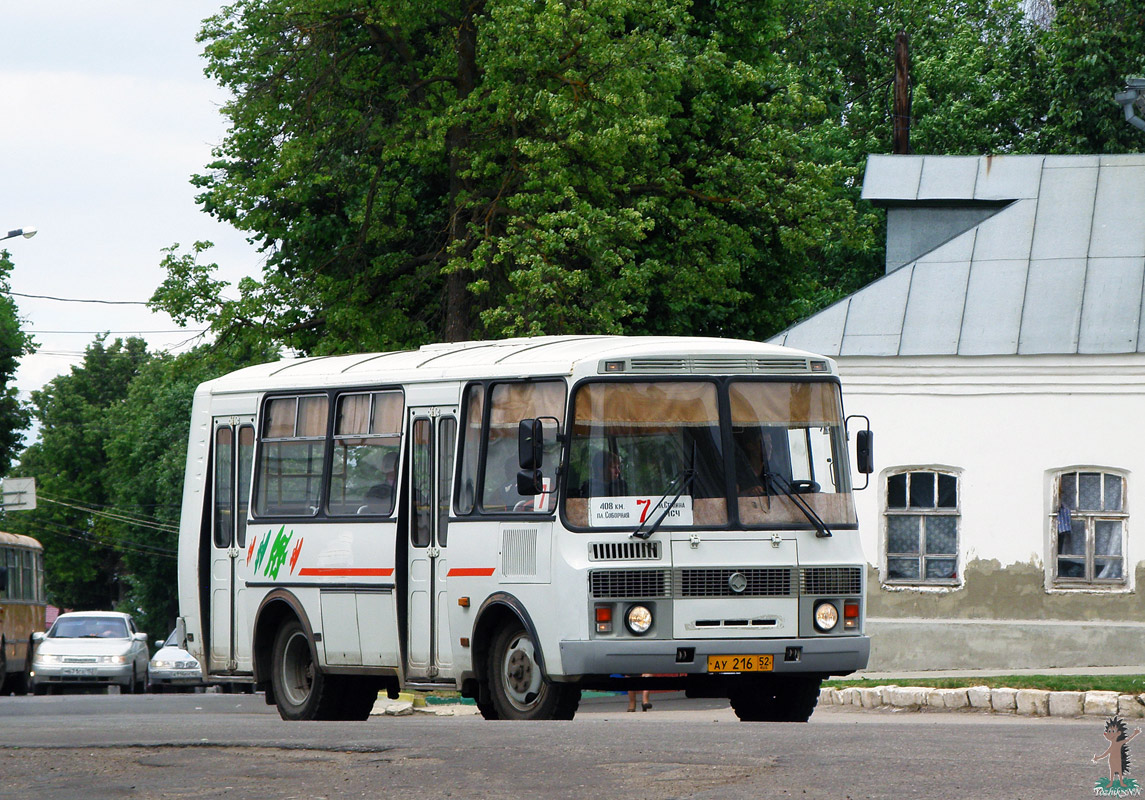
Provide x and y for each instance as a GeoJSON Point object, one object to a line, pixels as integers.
{"type": "Point", "coordinates": [27, 233]}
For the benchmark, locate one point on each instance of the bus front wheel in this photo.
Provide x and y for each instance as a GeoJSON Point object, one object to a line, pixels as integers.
{"type": "Point", "coordinates": [776, 699]}
{"type": "Point", "coordinates": [518, 686]}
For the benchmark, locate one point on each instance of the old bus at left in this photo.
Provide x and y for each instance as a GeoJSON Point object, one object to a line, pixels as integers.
{"type": "Point", "coordinates": [22, 606]}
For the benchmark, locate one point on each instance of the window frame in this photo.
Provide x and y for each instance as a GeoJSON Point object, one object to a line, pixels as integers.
{"type": "Point", "coordinates": [337, 440]}
{"type": "Point", "coordinates": [923, 513]}
{"type": "Point", "coordinates": [472, 508]}
{"type": "Point", "coordinates": [1089, 517]}
{"type": "Point", "coordinates": [331, 395]}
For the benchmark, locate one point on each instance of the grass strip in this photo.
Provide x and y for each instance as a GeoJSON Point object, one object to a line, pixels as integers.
{"type": "Point", "coordinates": [1122, 684]}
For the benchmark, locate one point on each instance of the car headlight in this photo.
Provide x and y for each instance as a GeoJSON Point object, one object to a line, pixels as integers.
{"type": "Point", "coordinates": [162, 665]}
{"type": "Point", "coordinates": [638, 619]}
{"type": "Point", "coordinates": [826, 616]}
{"type": "Point", "coordinates": [46, 658]}
{"type": "Point", "coordinates": [113, 659]}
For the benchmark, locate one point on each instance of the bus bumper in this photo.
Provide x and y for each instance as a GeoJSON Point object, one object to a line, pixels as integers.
{"type": "Point", "coordinates": [835, 655]}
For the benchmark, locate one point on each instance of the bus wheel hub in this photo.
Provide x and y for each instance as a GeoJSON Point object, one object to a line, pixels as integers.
{"type": "Point", "coordinates": [520, 671]}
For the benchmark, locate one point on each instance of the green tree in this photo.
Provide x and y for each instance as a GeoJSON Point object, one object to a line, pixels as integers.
{"type": "Point", "coordinates": [1088, 50]}
{"type": "Point", "coordinates": [14, 343]}
{"type": "Point", "coordinates": [146, 453]}
{"type": "Point", "coordinates": [84, 568]}
{"type": "Point", "coordinates": [454, 169]}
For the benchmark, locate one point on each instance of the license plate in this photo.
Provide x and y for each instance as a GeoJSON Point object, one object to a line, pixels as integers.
{"type": "Point", "coordinates": [78, 671]}
{"type": "Point", "coordinates": [739, 663]}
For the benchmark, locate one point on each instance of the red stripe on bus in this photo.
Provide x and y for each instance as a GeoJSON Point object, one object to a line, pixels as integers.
{"type": "Point", "coordinates": [323, 572]}
{"type": "Point", "coordinates": [470, 572]}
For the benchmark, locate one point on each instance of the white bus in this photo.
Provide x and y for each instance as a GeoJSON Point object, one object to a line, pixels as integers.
{"type": "Point", "coordinates": [523, 519]}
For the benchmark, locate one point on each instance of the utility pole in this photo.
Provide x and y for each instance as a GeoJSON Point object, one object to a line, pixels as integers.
{"type": "Point", "coordinates": [901, 141]}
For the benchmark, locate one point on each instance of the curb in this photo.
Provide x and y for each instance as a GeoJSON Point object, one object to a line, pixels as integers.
{"type": "Point", "coordinates": [1026, 702]}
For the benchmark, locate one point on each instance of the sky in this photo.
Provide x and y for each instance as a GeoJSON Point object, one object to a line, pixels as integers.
{"type": "Point", "coordinates": [105, 114]}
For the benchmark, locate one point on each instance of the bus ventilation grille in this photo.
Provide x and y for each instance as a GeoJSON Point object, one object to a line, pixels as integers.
{"type": "Point", "coordinates": [718, 364]}
{"type": "Point", "coordinates": [761, 582]}
{"type": "Point", "coordinates": [519, 552]}
{"type": "Point", "coordinates": [608, 583]}
{"type": "Point", "coordinates": [832, 580]}
{"type": "Point", "coordinates": [624, 551]}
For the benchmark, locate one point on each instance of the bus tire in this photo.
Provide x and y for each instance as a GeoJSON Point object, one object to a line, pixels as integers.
{"type": "Point", "coordinates": [518, 687]}
{"type": "Point", "coordinates": [357, 696]}
{"type": "Point", "coordinates": [790, 699]}
{"type": "Point", "coordinates": [301, 690]}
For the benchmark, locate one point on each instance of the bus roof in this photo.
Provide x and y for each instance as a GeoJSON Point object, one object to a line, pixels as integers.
{"type": "Point", "coordinates": [19, 540]}
{"type": "Point", "coordinates": [542, 355]}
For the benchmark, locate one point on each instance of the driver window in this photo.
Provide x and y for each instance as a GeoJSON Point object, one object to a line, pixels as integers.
{"type": "Point", "coordinates": [509, 403]}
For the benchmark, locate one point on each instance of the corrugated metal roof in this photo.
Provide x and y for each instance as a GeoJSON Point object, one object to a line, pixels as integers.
{"type": "Point", "coordinates": [1059, 270]}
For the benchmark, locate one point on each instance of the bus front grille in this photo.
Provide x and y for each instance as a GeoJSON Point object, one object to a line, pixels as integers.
{"type": "Point", "coordinates": [610, 583]}
{"type": "Point", "coordinates": [717, 582]}
{"type": "Point", "coordinates": [832, 580]}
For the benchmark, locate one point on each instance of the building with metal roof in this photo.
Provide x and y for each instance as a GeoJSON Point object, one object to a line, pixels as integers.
{"type": "Point", "coordinates": [1001, 359]}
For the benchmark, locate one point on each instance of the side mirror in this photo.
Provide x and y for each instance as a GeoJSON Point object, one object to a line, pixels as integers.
{"type": "Point", "coordinates": [864, 451]}
{"type": "Point", "coordinates": [38, 636]}
{"type": "Point", "coordinates": [530, 445]}
{"type": "Point", "coordinates": [530, 482]}
{"type": "Point", "coordinates": [139, 636]}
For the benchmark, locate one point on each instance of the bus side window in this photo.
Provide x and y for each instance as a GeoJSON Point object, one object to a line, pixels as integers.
{"type": "Point", "coordinates": [291, 450]}
{"type": "Point", "coordinates": [473, 410]}
{"type": "Point", "coordinates": [509, 404]}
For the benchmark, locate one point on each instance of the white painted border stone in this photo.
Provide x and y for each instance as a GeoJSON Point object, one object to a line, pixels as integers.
{"type": "Point", "coordinates": [1066, 704]}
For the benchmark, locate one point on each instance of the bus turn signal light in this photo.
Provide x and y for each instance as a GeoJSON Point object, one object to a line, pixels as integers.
{"type": "Point", "coordinates": [851, 614]}
{"type": "Point", "coordinates": [604, 619]}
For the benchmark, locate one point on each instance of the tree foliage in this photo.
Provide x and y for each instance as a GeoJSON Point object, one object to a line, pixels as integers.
{"type": "Point", "coordinates": [83, 567]}
{"type": "Point", "coordinates": [109, 468]}
{"type": "Point", "coordinates": [448, 169]}
{"type": "Point", "coordinates": [14, 343]}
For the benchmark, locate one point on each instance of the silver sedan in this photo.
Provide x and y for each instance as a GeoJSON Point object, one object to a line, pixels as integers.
{"type": "Point", "coordinates": [90, 648]}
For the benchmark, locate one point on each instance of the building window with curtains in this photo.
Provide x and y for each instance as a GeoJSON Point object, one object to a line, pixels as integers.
{"type": "Point", "coordinates": [922, 515]}
{"type": "Point", "coordinates": [1087, 527]}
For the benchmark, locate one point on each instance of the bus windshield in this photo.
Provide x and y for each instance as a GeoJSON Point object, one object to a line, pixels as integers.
{"type": "Point", "coordinates": [632, 440]}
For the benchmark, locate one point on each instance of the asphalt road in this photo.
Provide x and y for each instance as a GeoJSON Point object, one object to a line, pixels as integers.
{"type": "Point", "coordinates": [92, 747]}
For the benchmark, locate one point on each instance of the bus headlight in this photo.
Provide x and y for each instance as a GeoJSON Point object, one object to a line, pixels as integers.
{"type": "Point", "coordinates": [638, 620]}
{"type": "Point", "coordinates": [826, 616]}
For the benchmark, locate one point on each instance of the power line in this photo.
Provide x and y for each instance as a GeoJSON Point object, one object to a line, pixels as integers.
{"type": "Point", "coordinates": [153, 525]}
{"type": "Point", "coordinates": [79, 300]}
{"type": "Point", "coordinates": [123, 546]}
{"type": "Point", "coordinates": [35, 331]}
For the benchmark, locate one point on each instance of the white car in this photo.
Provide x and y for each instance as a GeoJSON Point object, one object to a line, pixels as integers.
{"type": "Point", "coordinates": [90, 648]}
{"type": "Point", "coordinates": [172, 667]}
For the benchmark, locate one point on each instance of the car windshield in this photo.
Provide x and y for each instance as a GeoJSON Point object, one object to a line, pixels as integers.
{"type": "Point", "coordinates": [171, 641]}
{"type": "Point", "coordinates": [89, 628]}
{"type": "Point", "coordinates": [634, 441]}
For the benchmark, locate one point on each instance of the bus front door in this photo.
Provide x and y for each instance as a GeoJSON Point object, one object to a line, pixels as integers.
{"type": "Point", "coordinates": [432, 443]}
{"type": "Point", "coordinates": [232, 456]}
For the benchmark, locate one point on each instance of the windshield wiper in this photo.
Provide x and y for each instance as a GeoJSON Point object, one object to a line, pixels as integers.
{"type": "Point", "coordinates": [684, 479]}
{"type": "Point", "coordinates": [781, 483]}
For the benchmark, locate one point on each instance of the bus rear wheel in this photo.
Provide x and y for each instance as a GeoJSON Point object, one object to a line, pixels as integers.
{"type": "Point", "coordinates": [518, 687]}
{"type": "Point", "coordinates": [301, 690]}
{"type": "Point", "coordinates": [776, 699]}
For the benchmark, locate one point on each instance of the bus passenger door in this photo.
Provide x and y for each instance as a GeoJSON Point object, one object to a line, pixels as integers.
{"type": "Point", "coordinates": [232, 454]}
{"type": "Point", "coordinates": [433, 436]}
